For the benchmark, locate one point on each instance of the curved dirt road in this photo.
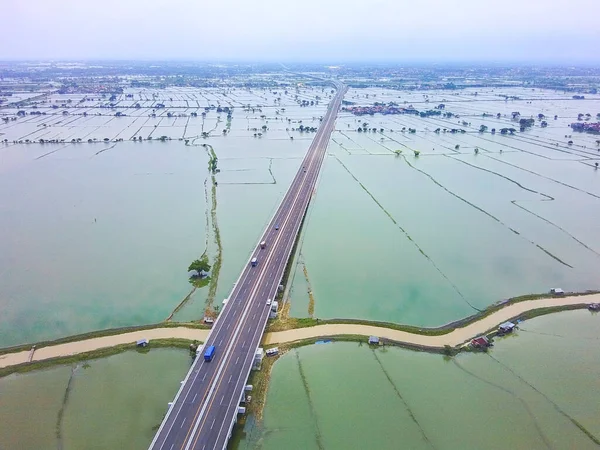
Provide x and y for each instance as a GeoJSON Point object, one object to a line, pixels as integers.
{"type": "Point", "coordinates": [454, 338]}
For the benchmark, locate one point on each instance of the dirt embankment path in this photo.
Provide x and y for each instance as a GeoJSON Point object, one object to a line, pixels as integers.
{"type": "Point", "coordinates": [454, 338]}
{"type": "Point", "coordinates": [88, 345]}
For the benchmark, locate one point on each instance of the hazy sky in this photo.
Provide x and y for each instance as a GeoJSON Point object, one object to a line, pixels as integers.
{"type": "Point", "coordinates": [307, 30]}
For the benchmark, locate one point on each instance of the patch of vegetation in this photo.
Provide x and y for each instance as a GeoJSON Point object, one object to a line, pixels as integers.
{"type": "Point", "coordinates": [199, 283]}
{"type": "Point", "coordinates": [200, 266]}
{"type": "Point", "coordinates": [216, 269]}
{"type": "Point", "coordinates": [311, 297]}
{"type": "Point", "coordinates": [213, 160]}
{"type": "Point", "coordinates": [198, 279]}
{"type": "Point", "coordinates": [290, 323]}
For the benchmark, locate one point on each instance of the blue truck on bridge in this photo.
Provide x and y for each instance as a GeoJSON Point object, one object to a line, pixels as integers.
{"type": "Point", "coordinates": [209, 353]}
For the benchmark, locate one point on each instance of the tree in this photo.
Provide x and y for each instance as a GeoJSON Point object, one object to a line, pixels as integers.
{"type": "Point", "coordinates": [200, 266]}
{"type": "Point", "coordinates": [483, 129]}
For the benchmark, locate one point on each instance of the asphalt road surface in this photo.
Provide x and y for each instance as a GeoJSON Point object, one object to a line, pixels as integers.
{"type": "Point", "coordinates": [205, 408]}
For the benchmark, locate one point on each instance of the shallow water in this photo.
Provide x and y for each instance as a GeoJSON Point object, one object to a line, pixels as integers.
{"type": "Point", "coordinates": [529, 392]}
{"type": "Point", "coordinates": [99, 235]}
{"type": "Point", "coordinates": [98, 241]}
{"type": "Point", "coordinates": [427, 240]}
{"type": "Point", "coordinates": [110, 403]}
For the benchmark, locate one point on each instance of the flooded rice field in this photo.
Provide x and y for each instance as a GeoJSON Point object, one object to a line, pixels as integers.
{"type": "Point", "coordinates": [428, 226]}
{"type": "Point", "coordinates": [105, 201]}
{"type": "Point", "coordinates": [536, 389]}
{"type": "Point", "coordinates": [115, 402]}
{"type": "Point", "coordinates": [98, 229]}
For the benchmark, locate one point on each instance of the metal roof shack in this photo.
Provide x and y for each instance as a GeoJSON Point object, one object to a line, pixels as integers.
{"type": "Point", "coordinates": [594, 306]}
{"type": "Point", "coordinates": [480, 342]}
{"type": "Point", "coordinates": [506, 327]}
{"type": "Point", "coordinates": [142, 342]}
{"type": "Point", "coordinates": [557, 291]}
{"type": "Point", "coordinates": [272, 351]}
{"type": "Point", "coordinates": [373, 340]}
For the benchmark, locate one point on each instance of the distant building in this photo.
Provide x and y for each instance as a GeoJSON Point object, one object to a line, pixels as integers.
{"type": "Point", "coordinates": [142, 342]}
{"type": "Point", "coordinates": [373, 340]}
{"type": "Point", "coordinates": [557, 291]}
{"type": "Point", "coordinates": [480, 342]}
{"type": "Point", "coordinates": [272, 351]}
{"type": "Point", "coordinates": [506, 327]}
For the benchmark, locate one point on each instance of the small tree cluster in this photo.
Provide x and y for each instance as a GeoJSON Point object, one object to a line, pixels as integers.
{"type": "Point", "coordinates": [200, 266]}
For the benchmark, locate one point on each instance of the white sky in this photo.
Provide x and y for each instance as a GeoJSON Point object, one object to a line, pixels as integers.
{"type": "Point", "coordinates": [307, 30]}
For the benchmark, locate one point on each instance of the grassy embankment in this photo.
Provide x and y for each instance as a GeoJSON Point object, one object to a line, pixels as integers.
{"type": "Point", "coordinates": [100, 333]}
{"type": "Point", "coordinates": [216, 268]}
{"type": "Point", "coordinates": [260, 379]}
{"type": "Point", "coordinates": [213, 280]}
{"type": "Point", "coordinates": [96, 354]}
{"type": "Point", "coordinates": [287, 323]}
